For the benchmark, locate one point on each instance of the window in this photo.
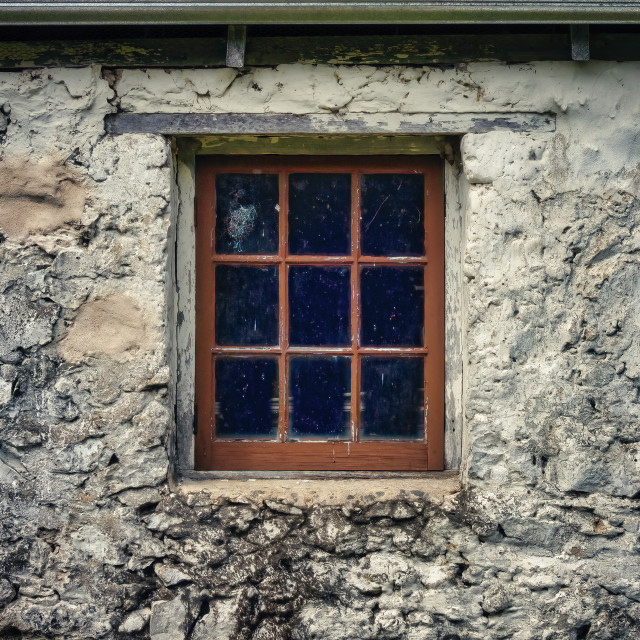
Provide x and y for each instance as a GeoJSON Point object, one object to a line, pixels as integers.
{"type": "Point", "coordinates": [319, 313]}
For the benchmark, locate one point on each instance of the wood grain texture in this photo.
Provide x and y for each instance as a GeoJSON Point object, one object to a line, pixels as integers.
{"type": "Point", "coordinates": [196, 124]}
{"type": "Point", "coordinates": [185, 320]}
{"type": "Point", "coordinates": [302, 456]}
{"type": "Point", "coordinates": [356, 49]}
{"type": "Point", "coordinates": [406, 49]}
{"type": "Point", "coordinates": [322, 145]}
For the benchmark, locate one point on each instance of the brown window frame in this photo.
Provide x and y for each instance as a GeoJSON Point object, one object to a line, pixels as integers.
{"type": "Point", "coordinates": [280, 455]}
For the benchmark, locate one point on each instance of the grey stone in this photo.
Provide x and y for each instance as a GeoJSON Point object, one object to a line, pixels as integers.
{"type": "Point", "coordinates": [168, 619]}
{"type": "Point", "coordinates": [5, 392]}
{"type": "Point", "coordinates": [238, 517]}
{"type": "Point", "coordinates": [171, 575]}
{"type": "Point", "coordinates": [161, 521]}
{"type": "Point", "coordinates": [283, 507]}
{"type": "Point", "coordinates": [495, 599]}
{"type": "Point", "coordinates": [7, 592]}
{"type": "Point", "coordinates": [220, 623]}
{"type": "Point", "coordinates": [135, 621]}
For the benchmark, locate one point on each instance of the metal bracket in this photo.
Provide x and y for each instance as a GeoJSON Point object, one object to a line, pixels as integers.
{"type": "Point", "coordinates": [236, 43]}
{"type": "Point", "coordinates": [580, 42]}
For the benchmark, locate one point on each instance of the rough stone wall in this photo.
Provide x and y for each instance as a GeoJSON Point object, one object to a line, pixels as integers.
{"type": "Point", "coordinates": [541, 540]}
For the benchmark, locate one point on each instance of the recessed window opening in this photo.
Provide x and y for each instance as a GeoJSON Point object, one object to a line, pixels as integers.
{"type": "Point", "coordinates": [319, 313]}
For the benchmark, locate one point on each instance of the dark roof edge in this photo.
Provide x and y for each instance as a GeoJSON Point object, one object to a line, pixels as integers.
{"type": "Point", "coordinates": [337, 12]}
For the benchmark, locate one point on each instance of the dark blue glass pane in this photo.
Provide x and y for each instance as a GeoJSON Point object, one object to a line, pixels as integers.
{"type": "Point", "coordinates": [246, 305]}
{"type": "Point", "coordinates": [392, 398]}
{"type": "Point", "coordinates": [246, 398]}
{"type": "Point", "coordinates": [392, 306]}
{"type": "Point", "coordinates": [320, 400]}
{"type": "Point", "coordinates": [319, 213]}
{"type": "Point", "coordinates": [246, 213]}
{"type": "Point", "coordinates": [319, 306]}
{"type": "Point", "coordinates": [393, 214]}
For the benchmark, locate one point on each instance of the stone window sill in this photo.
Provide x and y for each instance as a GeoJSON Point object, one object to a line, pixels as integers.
{"type": "Point", "coordinates": [303, 489]}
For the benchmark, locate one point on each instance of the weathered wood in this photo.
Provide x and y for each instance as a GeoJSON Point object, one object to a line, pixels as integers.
{"type": "Point", "coordinates": [249, 476]}
{"type": "Point", "coordinates": [580, 42]}
{"type": "Point", "coordinates": [269, 51]}
{"type": "Point", "coordinates": [236, 43]}
{"type": "Point", "coordinates": [456, 188]}
{"type": "Point", "coordinates": [615, 46]}
{"type": "Point", "coordinates": [430, 49]}
{"type": "Point", "coordinates": [322, 145]}
{"type": "Point", "coordinates": [195, 124]}
{"type": "Point", "coordinates": [150, 52]}
{"type": "Point", "coordinates": [185, 304]}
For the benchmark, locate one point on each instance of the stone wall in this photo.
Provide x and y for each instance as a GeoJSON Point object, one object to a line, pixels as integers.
{"type": "Point", "coordinates": [539, 539]}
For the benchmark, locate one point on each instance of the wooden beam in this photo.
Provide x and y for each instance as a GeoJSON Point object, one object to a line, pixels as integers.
{"type": "Point", "coordinates": [149, 52]}
{"type": "Point", "coordinates": [580, 42]}
{"type": "Point", "coordinates": [236, 44]}
{"type": "Point", "coordinates": [197, 124]}
{"type": "Point", "coordinates": [321, 145]}
{"type": "Point", "coordinates": [270, 51]}
{"type": "Point", "coordinates": [429, 49]}
{"type": "Point", "coordinates": [248, 476]}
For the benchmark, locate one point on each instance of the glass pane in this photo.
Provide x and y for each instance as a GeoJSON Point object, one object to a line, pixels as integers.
{"type": "Point", "coordinates": [392, 398]}
{"type": "Point", "coordinates": [319, 306]}
{"type": "Point", "coordinates": [319, 213]}
{"type": "Point", "coordinates": [246, 398]}
{"type": "Point", "coordinates": [392, 306]}
{"type": "Point", "coordinates": [393, 214]}
{"type": "Point", "coordinates": [246, 213]}
{"type": "Point", "coordinates": [320, 399]}
{"type": "Point", "coordinates": [246, 305]}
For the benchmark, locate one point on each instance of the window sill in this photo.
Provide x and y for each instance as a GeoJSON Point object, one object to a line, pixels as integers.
{"type": "Point", "coordinates": [303, 489]}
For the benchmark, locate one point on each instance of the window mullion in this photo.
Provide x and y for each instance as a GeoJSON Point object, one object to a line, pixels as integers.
{"type": "Point", "coordinates": [283, 401]}
{"type": "Point", "coordinates": [355, 306]}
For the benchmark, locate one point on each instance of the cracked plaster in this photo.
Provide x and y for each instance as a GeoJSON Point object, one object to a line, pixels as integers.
{"type": "Point", "coordinates": [541, 540]}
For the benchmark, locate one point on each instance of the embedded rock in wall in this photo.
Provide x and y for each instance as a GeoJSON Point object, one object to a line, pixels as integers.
{"type": "Point", "coordinates": [541, 541]}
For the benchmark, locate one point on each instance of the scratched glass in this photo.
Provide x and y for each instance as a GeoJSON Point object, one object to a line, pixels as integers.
{"type": "Point", "coordinates": [319, 398]}
{"type": "Point", "coordinates": [392, 306]}
{"type": "Point", "coordinates": [246, 305]}
{"type": "Point", "coordinates": [319, 306]}
{"type": "Point", "coordinates": [246, 213]}
{"type": "Point", "coordinates": [319, 213]}
{"type": "Point", "coordinates": [392, 219]}
{"type": "Point", "coordinates": [392, 399]}
{"type": "Point", "coordinates": [246, 398]}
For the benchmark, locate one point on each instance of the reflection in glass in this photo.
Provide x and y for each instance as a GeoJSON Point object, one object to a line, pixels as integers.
{"type": "Point", "coordinates": [246, 305]}
{"type": "Point", "coordinates": [392, 398]}
{"type": "Point", "coordinates": [392, 306]}
{"type": "Point", "coordinates": [319, 305]}
{"type": "Point", "coordinates": [320, 399]}
{"type": "Point", "coordinates": [246, 398]}
{"type": "Point", "coordinates": [246, 213]}
{"type": "Point", "coordinates": [392, 214]}
{"type": "Point", "coordinates": [319, 213]}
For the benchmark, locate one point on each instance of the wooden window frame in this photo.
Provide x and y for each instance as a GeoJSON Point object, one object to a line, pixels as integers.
{"type": "Point", "coordinates": [339, 455]}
